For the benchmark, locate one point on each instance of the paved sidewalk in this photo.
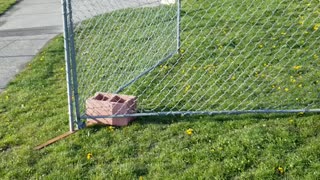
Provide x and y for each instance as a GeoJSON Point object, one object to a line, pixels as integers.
{"type": "Point", "coordinates": [30, 24]}
{"type": "Point", "coordinates": [24, 30]}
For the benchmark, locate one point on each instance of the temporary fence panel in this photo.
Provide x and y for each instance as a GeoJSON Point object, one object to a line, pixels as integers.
{"type": "Point", "coordinates": [194, 56]}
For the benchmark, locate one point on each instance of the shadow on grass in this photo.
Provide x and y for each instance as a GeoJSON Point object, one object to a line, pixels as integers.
{"type": "Point", "coordinates": [172, 119]}
{"type": "Point", "coordinates": [218, 118]}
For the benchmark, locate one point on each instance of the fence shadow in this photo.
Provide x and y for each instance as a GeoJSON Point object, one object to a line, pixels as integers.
{"type": "Point", "coordinates": [217, 118]}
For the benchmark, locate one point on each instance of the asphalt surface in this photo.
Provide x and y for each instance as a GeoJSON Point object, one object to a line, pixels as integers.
{"type": "Point", "coordinates": [30, 24]}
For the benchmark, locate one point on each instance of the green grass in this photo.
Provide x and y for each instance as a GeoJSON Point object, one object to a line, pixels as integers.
{"type": "Point", "coordinates": [5, 4]}
{"type": "Point", "coordinates": [248, 56]}
{"type": "Point", "coordinates": [33, 109]}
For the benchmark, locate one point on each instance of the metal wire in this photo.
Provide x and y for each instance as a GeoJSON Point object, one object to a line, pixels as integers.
{"type": "Point", "coordinates": [235, 57]}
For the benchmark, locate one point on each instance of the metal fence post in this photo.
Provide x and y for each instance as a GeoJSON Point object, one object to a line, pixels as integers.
{"type": "Point", "coordinates": [178, 25]}
{"type": "Point", "coordinates": [74, 66]}
{"type": "Point", "coordinates": [68, 68]}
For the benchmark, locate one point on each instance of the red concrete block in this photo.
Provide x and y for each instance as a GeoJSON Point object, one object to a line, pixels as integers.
{"type": "Point", "coordinates": [106, 104]}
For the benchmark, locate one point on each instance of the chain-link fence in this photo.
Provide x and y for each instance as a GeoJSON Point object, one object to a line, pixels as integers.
{"type": "Point", "coordinates": [195, 56]}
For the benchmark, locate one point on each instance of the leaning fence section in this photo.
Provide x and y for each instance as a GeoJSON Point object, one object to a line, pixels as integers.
{"type": "Point", "coordinates": [198, 56]}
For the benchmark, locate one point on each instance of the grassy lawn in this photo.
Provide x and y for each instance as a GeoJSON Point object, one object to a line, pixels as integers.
{"type": "Point", "coordinates": [248, 56]}
{"type": "Point", "coordinates": [33, 109]}
{"type": "Point", "coordinates": [5, 4]}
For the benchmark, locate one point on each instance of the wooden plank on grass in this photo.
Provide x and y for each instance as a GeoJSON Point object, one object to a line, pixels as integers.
{"type": "Point", "coordinates": [51, 141]}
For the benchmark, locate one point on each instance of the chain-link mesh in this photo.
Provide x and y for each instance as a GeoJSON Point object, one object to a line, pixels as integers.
{"type": "Point", "coordinates": [234, 55]}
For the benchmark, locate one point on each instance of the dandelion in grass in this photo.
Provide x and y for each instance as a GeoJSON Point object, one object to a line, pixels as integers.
{"type": "Point", "coordinates": [292, 79]}
{"type": "Point", "coordinates": [300, 85]}
{"type": "Point", "coordinates": [233, 78]}
{"type": "Point", "coordinates": [89, 156]}
{"type": "Point", "coordinates": [187, 88]}
{"type": "Point", "coordinates": [315, 56]}
{"type": "Point", "coordinates": [111, 128]}
{"type": "Point", "coordinates": [189, 131]}
{"type": "Point", "coordinates": [291, 121]}
{"type": "Point", "coordinates": [316, 27]}
{"type": "Point", "coordinates": [280, 170]}
{"type": "Point", "coordinates": [140, 178]}
{"type": "Point", "coordinates": [260, 46]}
{"type": "Point", "coordinates": [297, 67]}
{"type": "Point", "coordinates": [286, 89]}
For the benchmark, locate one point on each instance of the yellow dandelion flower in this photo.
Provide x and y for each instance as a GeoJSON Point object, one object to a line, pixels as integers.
{"type": "Point", "coordinates": [316, 27]}
{"type": "Point", "coordinates": [300, 85]}
{"type": "Point", "coordinates": [111, 128]}
{"type": "Point", "coordinates": [293, 80]}
{"type": "Point", "coordinates": [194, 67]}
{"type": "Point", "coordinates": [7, 97]}
{"type": "Point", "coordinates": [189, 131]}
{"type": "Point", "coordinates": [297, 67]}
{"type": "Point", "coordinates": [279, 88]}
{"type": "Point", "coordinates": [233, 78]}
{"type": "Point", "coordinates": [280, 170]}
{"type": "Point", "coordinates": [286, 89]}
{"type": "Point", "coordinates": [187, 88]}
{"type": "Point", "coordinates": [291, 121]}
{"type": "Point", "coordinates": [89, 156]}
{"type": "Point", "coordinates": [182, 50]}
{"type": "Point", "coordinates": [260, 46]}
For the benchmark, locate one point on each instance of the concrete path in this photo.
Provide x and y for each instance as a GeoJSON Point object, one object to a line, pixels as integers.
{"type": "Point", "coordinates": [30, 24]}
{"type": "Point", "coordinates": [24, 30]}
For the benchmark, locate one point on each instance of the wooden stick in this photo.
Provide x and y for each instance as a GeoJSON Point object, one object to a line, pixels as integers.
{"type": "Point", "coordinates": [51, 141]}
